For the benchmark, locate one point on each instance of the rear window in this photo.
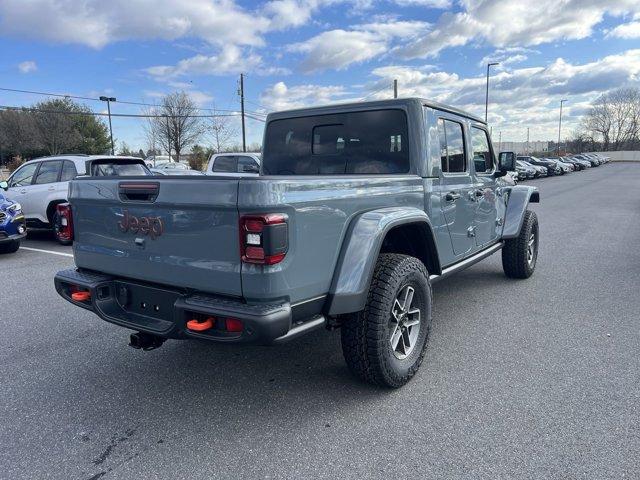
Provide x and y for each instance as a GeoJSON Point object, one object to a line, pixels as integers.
{"type": "Point", "coordinates": [373, 142]}
{"type": "Point", "coordinates": [107, 168]}
{"type": "Point", "coordinates": [226, 164]}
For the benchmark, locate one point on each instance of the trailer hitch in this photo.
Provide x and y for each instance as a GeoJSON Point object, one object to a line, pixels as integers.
{"type": "Point", "coordinates": [145, 341]}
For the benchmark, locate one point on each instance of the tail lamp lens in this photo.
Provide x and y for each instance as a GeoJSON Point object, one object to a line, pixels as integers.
{"type": "Point", "coordinates": [64, 229]}
{"type": "Point", "coordinates": [263, 238]}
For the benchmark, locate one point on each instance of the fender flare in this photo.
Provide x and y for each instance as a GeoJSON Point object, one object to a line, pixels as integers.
{"type": "Point", "coordinates": [518, 200]}
{"type": "Point", "coordinates": [359, 254]}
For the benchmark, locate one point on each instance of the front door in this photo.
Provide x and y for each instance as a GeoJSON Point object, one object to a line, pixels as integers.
{"type": "Point", "coordinates": [20, 186]}
{"type": "Point", "coordinates": [486, 223]}
{"type": "Point", "coordinates": [456, 186]}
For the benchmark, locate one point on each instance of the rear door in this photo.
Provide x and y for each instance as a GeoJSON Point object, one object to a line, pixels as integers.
{"type": "Point", "coordinates": [484, 192]}
{"type": "Point", "coordinates": [180, 232]}
{"type": "Point", "coordinates": [456, 184]}
{"type": "Point", "coordinates": [46, 187]}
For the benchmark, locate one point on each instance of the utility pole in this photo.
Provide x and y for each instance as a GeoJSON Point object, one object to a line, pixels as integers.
{"type": "Point", "coordinates": [109, 100]}
{"type": "Point", "coordinates": [528, 141]}
{"type": "Point", "coordinates": [241, 93]}
{"type": "Point", "coordinates": [166, 118]}
{"type": "Point", "coordinates": [395, 88]}
{"type": "Point", "coordinates": [486, 100]}
{"type": "Point", "coordinates": [499, 140]}
{"type": "Point", "coordinates": [560, 125]}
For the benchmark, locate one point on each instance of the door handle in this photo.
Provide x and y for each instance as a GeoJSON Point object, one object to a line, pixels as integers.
{"type": "Point", "coordinates": [23, 191]}
{"type": "Point", "coordinates": [51, 189]}
{"type": "Point", "coordinates": [452, 196]}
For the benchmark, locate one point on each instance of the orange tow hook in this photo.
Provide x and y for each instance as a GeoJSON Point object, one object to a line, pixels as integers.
{"type": "Point", "coordinates": [81, 296]}
{"type": "Point", "coordinates": [198, 326]}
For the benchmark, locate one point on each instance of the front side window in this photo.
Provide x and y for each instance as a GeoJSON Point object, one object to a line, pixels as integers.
{"type": "Point", "coordinates": [371, 142]}
{"type": "Point", "coordinates": [226, 164]}
{"type": "Point", "coordinates": [452, 151]}
{"type": "Point", "coordinates": [482, 155]}
{"type": "Point", "coordinates": [48, 172]}
{"type": "Point", "coordinates": [24, 175]}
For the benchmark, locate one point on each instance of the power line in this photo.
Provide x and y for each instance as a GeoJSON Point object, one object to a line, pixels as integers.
{"type": "Point", "coordinates": [377, 91]}
{"type": "Point", "coordinates": [100, 114]}
{"type": "Point", "coordinates": [125, 102]}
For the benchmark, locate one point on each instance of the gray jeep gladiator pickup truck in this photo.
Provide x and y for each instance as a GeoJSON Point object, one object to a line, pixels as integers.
{"type": "Point", "coordinates": [358, 210]}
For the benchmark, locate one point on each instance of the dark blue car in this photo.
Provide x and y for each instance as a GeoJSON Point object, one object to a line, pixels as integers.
{"type": "Point", "coordinates": [12, 224]}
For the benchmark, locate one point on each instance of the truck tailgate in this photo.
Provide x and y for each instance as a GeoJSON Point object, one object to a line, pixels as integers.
{"type": "Point", "coordinates": [181, 232]}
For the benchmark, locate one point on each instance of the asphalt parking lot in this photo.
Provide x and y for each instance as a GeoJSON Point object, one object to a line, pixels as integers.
{"type": "Point", "coordinates": [537, 378]}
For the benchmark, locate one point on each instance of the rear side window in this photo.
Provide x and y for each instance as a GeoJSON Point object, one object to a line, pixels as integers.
{"type": "Point", "coordinates": [226, 164]}
{"type": "Point", "coordinates": [68, 171]}
{"type": "Point", "coordinates": [372, 142]}
{"type": "Point", "coordinates": [48, 172]}
{"type": "Point", "coordinates": [107, 168]}
{"type": "Point", "coordinates": [482, 155]}
{"type": "Point", "coordinates": [452, 151]}
{"type": "Point", "coordinates": [247, 164]}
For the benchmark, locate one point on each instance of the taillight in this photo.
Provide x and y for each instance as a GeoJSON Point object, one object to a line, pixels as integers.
{"type": "Point", "coordinates": [264, 238]}
{"type": "Point", "coordinates": [64, 229]}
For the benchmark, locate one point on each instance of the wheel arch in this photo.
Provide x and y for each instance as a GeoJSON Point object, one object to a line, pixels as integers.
{"type": "Point", "coordinates": [518, 200]}
{"type": "Point", "coordinates": [387, 230]}
{"type": "Point", "coordinates": [51, 208]}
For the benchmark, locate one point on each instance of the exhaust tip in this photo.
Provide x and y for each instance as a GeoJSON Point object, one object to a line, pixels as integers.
{"type": "Point", "coordinates": [145, 341]}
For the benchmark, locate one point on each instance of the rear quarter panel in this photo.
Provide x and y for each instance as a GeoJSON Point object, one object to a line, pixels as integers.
{"type": "Point", "coordinates": [320, 210]}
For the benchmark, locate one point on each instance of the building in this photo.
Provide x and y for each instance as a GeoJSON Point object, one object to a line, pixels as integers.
{"type": "Point", "coordinates": [521, 148]}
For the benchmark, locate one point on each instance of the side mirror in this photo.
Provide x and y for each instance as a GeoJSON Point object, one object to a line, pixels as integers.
{"type": "Point", "coordinates": [507, 162]}
{"type": "Point", "coordinates": [4, 185]}
{"type": "Point", "coordinates": [253, 168]}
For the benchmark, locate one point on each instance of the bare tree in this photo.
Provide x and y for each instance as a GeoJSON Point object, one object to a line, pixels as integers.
{"type": "Point", "coordinates": [175, 124]}
{"type": "Point", "coordinates": [614, 119]}
{"type": "Point", "coordinates": [221, 131]}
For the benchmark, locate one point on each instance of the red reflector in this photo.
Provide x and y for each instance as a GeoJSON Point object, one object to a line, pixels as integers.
{"type": "Point", "coordinates": [198, 326]}
{"type": "Point", "coordinates": [273, 259]}
{"type": "Point", "coordinates": [233, 325]}
{"type": "Point", "coordinates": [254, 253]}
{"type": "Point", "coordinates": [81, 296]}
{"type": "Point", "coordinates": [64, 228]}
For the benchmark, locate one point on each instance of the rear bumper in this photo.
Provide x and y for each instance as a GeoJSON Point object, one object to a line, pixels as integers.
{"type": "Point", "coordinates": [165, 312]}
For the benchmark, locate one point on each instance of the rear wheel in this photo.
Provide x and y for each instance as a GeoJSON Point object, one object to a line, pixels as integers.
{"type": "Point", "coordinates": [520, 254]}
{"type": "Point", "coordinates": [385, 343]}
{"type": "Point", "coordinates": [10, 247]}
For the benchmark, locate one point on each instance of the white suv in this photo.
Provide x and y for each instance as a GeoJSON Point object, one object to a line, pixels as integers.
{"type": "Point", "coordinates": [234, 164]}
{"type": "Point", "coordinates": [41, 184]}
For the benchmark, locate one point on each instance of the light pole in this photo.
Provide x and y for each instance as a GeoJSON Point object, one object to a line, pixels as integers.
{"type": "Point", "coordinates": [486, 100]}
{"type": "Point", "coordinates": [560, 126]}
{"type": "Point", "coordinates": [109, 100]}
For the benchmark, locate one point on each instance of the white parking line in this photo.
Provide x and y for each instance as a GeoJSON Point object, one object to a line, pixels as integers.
{"type": "Point", "coordinates": [47, 251]}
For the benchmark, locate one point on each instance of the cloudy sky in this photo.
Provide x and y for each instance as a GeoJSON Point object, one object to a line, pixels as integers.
{"type": "Point", "coordinates": [308, 52]}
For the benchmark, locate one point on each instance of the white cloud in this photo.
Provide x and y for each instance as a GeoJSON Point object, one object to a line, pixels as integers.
{"type": "Point", "coordinates": [520, 97]}
{"type": "Point", "coordinates": [96, 23]}
{"type": "Point", "coordinates": [441, 4]}
{"type": "Point", "coordinates": [626, 30]}
{"type": "Point", "coordinates": [515, 23]}
{"type": "Point", "coordinates": [337, 49]}
{"type": "Point", "coordinates": [230, 60]}
{"type": "Point", "coordinates": [507, 56]}
{"type": "Point", "coordinates": [27, 66]}
{"type": "Point", "coordinates": [281, 97]}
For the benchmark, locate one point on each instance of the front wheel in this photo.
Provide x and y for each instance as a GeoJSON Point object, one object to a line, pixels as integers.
{"type": "Point", "coordinates": [10, 247]}
{"type": "Point", "coordinates": [520, 254]}
{"type": "Point", "coordinates": [385, 343]}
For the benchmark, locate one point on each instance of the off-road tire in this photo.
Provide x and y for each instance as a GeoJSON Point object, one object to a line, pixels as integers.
{"type": "Point", "coordinates": [366, 335]}
{"type": "Point", "coordinates": [10, 247]}
{"type": "Point", "coordinates": [515, 259]}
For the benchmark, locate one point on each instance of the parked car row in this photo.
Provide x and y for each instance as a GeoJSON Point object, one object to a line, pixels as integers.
{"type": "Point", "coordinates": [529, 167]}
